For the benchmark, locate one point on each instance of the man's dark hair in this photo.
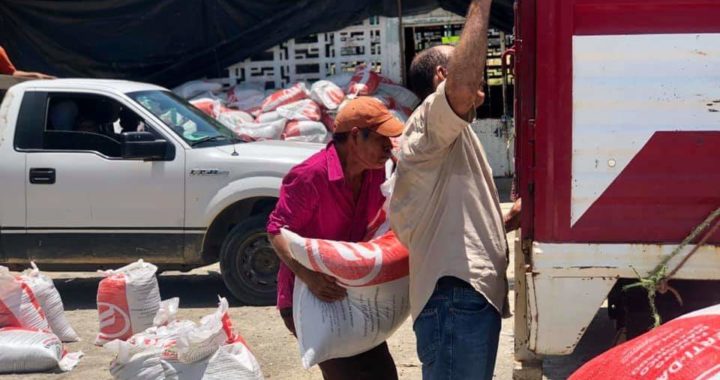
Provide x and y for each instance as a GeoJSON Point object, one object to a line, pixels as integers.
{"type": "Point", "coordinates": [422, 69]}
{"type": "Point", "coordinates": [339, 138]}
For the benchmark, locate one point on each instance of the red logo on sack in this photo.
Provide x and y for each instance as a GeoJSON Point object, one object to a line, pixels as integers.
{"type": "Point", "coordinates": [360, 264]}
{"type": "Point", "coordinates": [113, 310]}
{"type": "Point", "coordinates": [114, 321]}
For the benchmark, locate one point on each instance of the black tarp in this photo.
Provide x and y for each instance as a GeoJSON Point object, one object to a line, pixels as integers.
{"type": "Point", "coordinates": [171, 41]}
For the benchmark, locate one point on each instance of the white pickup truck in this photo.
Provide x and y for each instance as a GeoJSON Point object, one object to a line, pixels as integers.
{"type": "Point", "coordinates": [99, 173]}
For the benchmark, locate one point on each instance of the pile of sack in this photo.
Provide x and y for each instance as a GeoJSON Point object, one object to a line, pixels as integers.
{"type": "Point", "coordinates": [375, 274]}
{"type": "Point", "coordinates": [149, 342]}
{"type": "Point", "coordinates": [300, 112]}
{"type": "Point", "coordinates": [33, 325]}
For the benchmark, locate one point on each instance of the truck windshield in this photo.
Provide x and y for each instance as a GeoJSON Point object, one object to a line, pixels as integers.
{"type": "Point", "coordinates": [195, 127]}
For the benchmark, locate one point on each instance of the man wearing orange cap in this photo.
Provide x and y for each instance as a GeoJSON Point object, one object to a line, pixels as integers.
{"type": "Point", "coordinates": [334, 195]}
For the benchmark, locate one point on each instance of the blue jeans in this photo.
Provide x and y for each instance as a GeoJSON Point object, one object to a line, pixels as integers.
{"type": "Point", "coordinates": [457, 333]}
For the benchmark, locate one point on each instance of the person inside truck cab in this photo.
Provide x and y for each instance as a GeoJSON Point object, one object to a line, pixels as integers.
{"type": "Point", "coordinates": [130, 121]}
{"type": "Point", "coordinates": [63, 115]}
{"type": "Point", "coordinates": [98, 116]}
{"type": "Point", "coordinates": [7, 68]}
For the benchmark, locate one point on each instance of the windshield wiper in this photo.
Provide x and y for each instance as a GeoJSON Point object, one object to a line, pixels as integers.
{"type": "Point", "coordinates": [209, 138]}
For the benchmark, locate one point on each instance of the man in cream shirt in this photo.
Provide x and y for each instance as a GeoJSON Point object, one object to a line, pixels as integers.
{"type": "Point", "coordinates": [445, 209]}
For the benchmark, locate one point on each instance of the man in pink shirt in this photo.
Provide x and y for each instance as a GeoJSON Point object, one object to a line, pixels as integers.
{"type": "Point", "coordinates": [334, 195]}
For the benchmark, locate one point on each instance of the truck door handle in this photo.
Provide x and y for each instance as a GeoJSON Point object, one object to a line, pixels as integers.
{"type": "Point", "coordinates": [42, 176]}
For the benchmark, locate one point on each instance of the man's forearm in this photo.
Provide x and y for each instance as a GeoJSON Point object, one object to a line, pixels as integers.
{"type": "Point", "coordinates": [282, 248]}
{"type": "Point", "coordinates": [467, 63]}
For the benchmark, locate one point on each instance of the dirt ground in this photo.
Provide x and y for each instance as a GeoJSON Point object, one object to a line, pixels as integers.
{"type": "Point", "coordinates": [274, 346]}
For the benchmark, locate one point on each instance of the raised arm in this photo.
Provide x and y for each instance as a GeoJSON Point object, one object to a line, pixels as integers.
{"type": "Point", "coordinates": [466, 68]}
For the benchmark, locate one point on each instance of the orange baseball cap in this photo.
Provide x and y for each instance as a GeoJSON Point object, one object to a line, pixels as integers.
{"type": "Point", "coordinates": [367, 112]}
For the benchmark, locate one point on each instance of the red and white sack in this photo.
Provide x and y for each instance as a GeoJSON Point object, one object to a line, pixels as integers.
{"type": "Point", "coordinates": [245, 98]}
{"type": "Point", "coordinates": [375, 262]}
{"type": "Point", "coordinates": [221, 96]}
{"type": "Point", "coordinates": [25, 350]}
{"type": "Point", "coordinates": [377, 303]}
{"type": "Point", "coordinates": [18, 305]}
{"type": "Point", "coordinates": [401, 95]}
{"type": "Point", "coordinates": [181, 350]}
{"type": "Point", "coordinates": [268, 117]}
{"type": "Point", "coordinates": [686, 348]}
{"type": "Point", "coordinates": [128, 299]}
{"type": "Point", "coordinates": [213, 331]}
{"type": "Point", "coordinates": [233, 361]}
{"type": "Point", "coordinates": [208, 106]}
{"type": "Point", "coordinates": [190, 89]}
{"type": "Point", "coordinates": [304, 110]}
{"type": "Point", "coordinates": [368, 316]}
{"type": "Point", "coordinates": [289, 95]}
{"type": "Point", "coordinates": [327, 94]}
{"type": "Point", "coordinates": [364, 82]}
{"type": "Point", "coordinates": [341, 80]}
{"type": "Point", "coordinates": [305, 131]}
{"type": "Point", "coordinates": [260, 131]}
{"type": "Point", "coordinates": [375, 274]}
{"type": "Point", "coordinates": [51, 303]}
{"type": "Point", "coordinates": [137, 362]}
{"type": "Point", "coordinates": [167, 312]}
{"type": "Point", "coordinates": [232, 118]}
{"type": "Point", "coordinates": [230, 361]}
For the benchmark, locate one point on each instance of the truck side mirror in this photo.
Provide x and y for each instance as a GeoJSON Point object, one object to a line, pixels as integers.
{"type": "Point", "coordinates": [138, 136]}
{"type": "Point", "coordinates": [144, 146]}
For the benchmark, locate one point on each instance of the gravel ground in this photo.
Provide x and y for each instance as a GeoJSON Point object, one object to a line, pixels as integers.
{"type": "Point", "coordinates": [264, 331]}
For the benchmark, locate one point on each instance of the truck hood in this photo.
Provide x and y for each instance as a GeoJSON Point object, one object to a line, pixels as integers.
{"type": "Point", "coordinates": [272, 149]}
{"type": "Point", "coordinates": [273, 158]}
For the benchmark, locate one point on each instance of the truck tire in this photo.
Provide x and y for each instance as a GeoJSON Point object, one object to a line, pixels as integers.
{"type": "Point", "coordinates": [249, 264]}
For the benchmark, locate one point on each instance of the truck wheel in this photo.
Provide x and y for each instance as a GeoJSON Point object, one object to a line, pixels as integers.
{"type": "Point", "coordinates": [249, 264]}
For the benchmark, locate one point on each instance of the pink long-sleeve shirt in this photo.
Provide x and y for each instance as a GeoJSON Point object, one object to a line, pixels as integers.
{"type": "Point", "coordinates": [316, 202]}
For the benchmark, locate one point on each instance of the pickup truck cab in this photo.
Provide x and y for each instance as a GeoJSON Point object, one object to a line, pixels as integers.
{"type": "Point", "coordinates": [100, 173]}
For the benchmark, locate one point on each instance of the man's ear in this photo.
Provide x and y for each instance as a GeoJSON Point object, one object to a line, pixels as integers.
{"type": "Point", "coordinates": [440, 73]}
{"type": "Point", "coordinates": [479, 98]}
{"type": "Point", "coordinates": [354, 133]}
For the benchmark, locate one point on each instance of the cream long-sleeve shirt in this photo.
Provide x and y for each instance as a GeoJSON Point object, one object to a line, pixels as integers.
{"type": "Point", "coordinates": [445, 206]}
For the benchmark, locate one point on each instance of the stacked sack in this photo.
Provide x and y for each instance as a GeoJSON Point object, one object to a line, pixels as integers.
{"type": "Point", "coordinates": [375, 274]}
{"type": "Point", "coordinates": [299, 112]}
{"type": "Point", "coordinates": [181, 349]}
{"type": "Point", "coordinates": [33, 324]}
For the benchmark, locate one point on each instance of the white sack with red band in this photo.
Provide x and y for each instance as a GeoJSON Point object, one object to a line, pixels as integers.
{"type": "Point", "coordinates": [25, 350]}
{"type": "Point", "coordinates": [18, 305]}
{"type": "Point", "coordinates": [306, 131]}
{"type": "Point", "coordinates": [289, 95]}
{"type": "Point", "coordinates": [327, 94]}
{"type": "Point", "coordinates": [182, 350]}
{"type": "Point", "coordinates": [51, 303]}
{"type": "Point", "coordinates": [128, 299]}
{"type": "Point", "coordinates": [375, 274]}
